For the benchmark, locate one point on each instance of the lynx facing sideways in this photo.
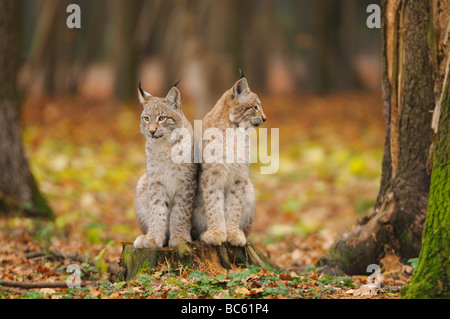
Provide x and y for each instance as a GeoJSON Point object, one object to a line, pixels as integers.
{"type": "Point", "coordinates": [165, 193]}
{"type": "Point", "coordinates": [225, 202]}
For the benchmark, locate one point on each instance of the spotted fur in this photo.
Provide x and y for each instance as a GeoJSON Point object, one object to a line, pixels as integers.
{"type": "Point", "coordinates": [225, 202]}
{"type": "Point", "coordinates": [165, 193]}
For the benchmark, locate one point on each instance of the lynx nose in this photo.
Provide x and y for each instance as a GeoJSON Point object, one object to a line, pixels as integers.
{"type": "Point", "coordinates": [152, 132]}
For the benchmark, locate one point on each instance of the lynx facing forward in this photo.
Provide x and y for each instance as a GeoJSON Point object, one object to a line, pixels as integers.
{"type": "Point", "coordinates": [165, 193]}
{"type": "Point", "coordinates": [225, 202]}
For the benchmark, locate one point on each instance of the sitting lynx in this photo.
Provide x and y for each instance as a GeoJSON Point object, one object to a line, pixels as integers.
{"type": "Point", "coordinates": [165, 193]}
{"type": "Point", "coordinates": [225, 201]}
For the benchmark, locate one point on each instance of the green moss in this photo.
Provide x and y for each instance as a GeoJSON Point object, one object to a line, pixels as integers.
{"type": "Point", "coordinates": [405, 236]}
{"type": "Point", "coordinates": [432, 278]}
{"type": "Point", "coordinates": [433, 273]}
{"type": "Point", "coordinates": [144, 269]}
{"type": "Point", "coordinates": [39, 204]}
{"type": "Point", "coordinates": [332, 262]}
{"type": "Point", "coordinates": [185, 254]}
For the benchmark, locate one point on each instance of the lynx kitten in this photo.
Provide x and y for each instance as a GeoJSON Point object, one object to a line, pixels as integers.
{"type": "Point", "coordinates": [165, 193]}
{"type": "Point", "coordinates": [225, 202]}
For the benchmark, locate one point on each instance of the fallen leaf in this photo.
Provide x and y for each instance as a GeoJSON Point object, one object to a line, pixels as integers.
{"type": "Point", "coordinates": [285, 276]}
{"type": "Point", "coordinates": [48, 291]}
{"type": "Point", "coordinates": [350, 291]}
{"type": "Point", "coordinates": [249, 277]}
{"type": "Point", "coordinates": [255, 291]}
{"type": "Point", "coordinates": [94, 292]}
{"type": "Point", "coordinates": [242, 290]}
{"type": "Point", "coordinates": [407, 269]}
{"type": "Point", "coordinates": [263, 272]}
{"type": "Point", "coordinates": [366, 291]}
{"type": "Point", "coordinates": [126, 242]}
{"type": "Point", "coordinates": [114, 295]}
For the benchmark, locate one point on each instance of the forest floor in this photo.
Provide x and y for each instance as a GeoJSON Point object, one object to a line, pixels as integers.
{"type": "Point", "coordinates": [87, 157]}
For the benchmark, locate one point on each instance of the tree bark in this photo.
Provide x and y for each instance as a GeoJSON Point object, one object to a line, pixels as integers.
{"type": "Point", "coordinates": [197, 255]}
{"type": "Point", "coordinates": [18, 188]}
{"type": "Point", "coordinates": [43, 53]}
{"type": "Point", "coordinates": [432, 277]}
{"type": "Point", "coordinates": [333, 68]}
{"type": "Point", "coordinates": [125, 54]}
{"type": "Point", "coordinates": [410, 78]}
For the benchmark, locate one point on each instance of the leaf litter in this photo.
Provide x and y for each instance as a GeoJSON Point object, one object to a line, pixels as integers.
{"type": "Point", "coordinates": [330, 159]}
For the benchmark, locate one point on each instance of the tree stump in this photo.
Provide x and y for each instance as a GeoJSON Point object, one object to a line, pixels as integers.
{"type": "Point", "coordinates": [196, 255]}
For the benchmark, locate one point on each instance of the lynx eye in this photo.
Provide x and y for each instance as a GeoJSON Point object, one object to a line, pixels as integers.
{"type": "Point", "coordinates": [146, 119]}
{"type": "Point", "coordinates": [256, 107]}
{"type": "Point", "coordinates": [162, 118]}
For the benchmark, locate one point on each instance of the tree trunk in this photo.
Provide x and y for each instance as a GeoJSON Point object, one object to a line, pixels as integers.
{"type": "Point", "coordinates": [333, 68]}
{"type": "Point", "coordinates": [197, 255]}
{"type": "Point", "coordinates": [411, 76]}
{"type": "Point", "coordinates": [432, 277]}
{"type": "Point", "coordinates": [18, 189]}
{"type": "Point", "coordinates": [43, 53]}
{"type": "Point", "coordinates": [125, 55]}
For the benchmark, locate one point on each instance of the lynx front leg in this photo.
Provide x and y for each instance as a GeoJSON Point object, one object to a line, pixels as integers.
{"type": "Point", "coordinates": [180, 216]}
{"type": "Point", "coordinates": [213, 197]}
{"type": "Point", "coordinates": [248, 213]}
{"type": "Point", "coordinates": [152, 210]}
{"type": "Point", "coordinates": [234, 206]}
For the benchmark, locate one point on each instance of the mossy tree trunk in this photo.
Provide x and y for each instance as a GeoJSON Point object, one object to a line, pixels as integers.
{"type": "Point", "coordinates": [432, 277]}
{"type": "Point", "coordinates": [18, 189]}
{"type": "Point", "coordinates": [415, 57]}
{"type": "Point", "coordinates": [196, 255]}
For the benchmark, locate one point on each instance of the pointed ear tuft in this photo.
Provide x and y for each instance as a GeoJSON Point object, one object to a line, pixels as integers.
{"type": "Point", "coordinates": [241, 73]}
{"type": "Point", "coordinates": [174, 98]}
{"type": "Point", "coordinates": [143, 96]}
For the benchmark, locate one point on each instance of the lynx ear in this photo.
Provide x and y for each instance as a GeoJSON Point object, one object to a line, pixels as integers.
{"type": "Point", "coordinates": [174, 98]}
{"type": "Point", "coordinates": [143, 96]}
{"type": "Point", "coordinates": [241, 87]}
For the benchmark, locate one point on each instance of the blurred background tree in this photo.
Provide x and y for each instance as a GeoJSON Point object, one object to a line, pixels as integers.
{"type": "Point", "coordinates": [18, 188]}
{"type": "Point", "coordinates": [283, 46]}
{"type": "Point", "coordinates": [278, 44]}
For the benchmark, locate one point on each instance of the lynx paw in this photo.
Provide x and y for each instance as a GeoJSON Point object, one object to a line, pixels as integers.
{"type": "Point", "coordinates": [215, 238]}
{"type": "Point", "coordinates": [176, 240]}
{"type": "Point", "coordinates": [144, 241]}
{"type": "Point", "coordinates": [236, 238]}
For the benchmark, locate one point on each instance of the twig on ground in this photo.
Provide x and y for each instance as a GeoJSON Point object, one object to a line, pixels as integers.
{"type": "Point", "coordinates": [56, 255]}
{"type": "Point", "coordinates": [44, 284]}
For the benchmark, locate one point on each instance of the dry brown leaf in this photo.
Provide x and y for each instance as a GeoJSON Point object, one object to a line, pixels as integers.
{"type": "Point", "coordinates": [114, 295]}
{"type": "Point", "coordinates": [255, 291]}
{"type": "Point", "coordinates": [242, 291]}
{"type": "Point", "coordinates": [47, 291]}
{"type": "Point", "coordinates": [285, 276]}
{"type": "Point", "coordinates": [407, 269]}
{"type": "Point", "coordinates": [365, 291]}
{"type": "Point", "coordinates": [94, 292]}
